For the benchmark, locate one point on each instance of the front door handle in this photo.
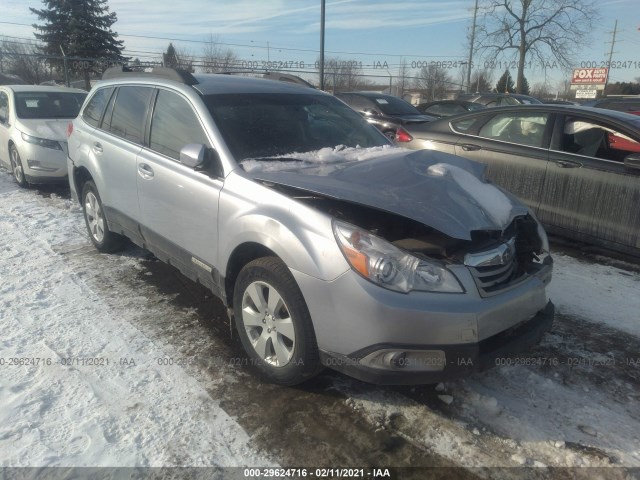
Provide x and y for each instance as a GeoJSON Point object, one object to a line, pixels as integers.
{"type": "Point", "coordinates": [470, 147]}
{"type": "Point", "coordinates": [97, 147]}
{"type": "Point", "coordinates": [145, 171]}
{"type": "Point", "coordinates": [568, 164]}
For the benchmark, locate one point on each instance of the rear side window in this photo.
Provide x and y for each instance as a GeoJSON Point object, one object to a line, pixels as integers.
{"type": "Point", "coordinates": [520, 128]}
{"type": "Point", "coordinates": [174, 125]}
{"type": "Point", "coordinates": [93, 111]}
{"type": "Point", "coordinates": [129, 112]}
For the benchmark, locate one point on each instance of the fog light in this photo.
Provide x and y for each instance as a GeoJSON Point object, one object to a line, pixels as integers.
{"type": "Point", "coordinates": [406, 360]}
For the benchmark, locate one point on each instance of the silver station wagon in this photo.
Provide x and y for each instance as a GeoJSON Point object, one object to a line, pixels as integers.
{"type": "Point", "coordinates": [329, 246]}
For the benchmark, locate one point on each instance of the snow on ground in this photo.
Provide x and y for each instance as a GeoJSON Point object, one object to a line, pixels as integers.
{"type": "Point", "coordinates": [603, 293]}
{"type": "Point", "coordinates": [58, 410]}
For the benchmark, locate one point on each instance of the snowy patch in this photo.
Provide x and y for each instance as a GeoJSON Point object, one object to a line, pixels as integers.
{"type": "Point", "coordinates": [601, 293]}
{"type": "Point", "coordinates": [495, 203]}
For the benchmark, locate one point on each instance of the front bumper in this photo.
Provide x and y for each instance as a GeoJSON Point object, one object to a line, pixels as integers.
{"type": "Point", "coordinates": [357, 323]}
{"type": "Point", "coordinates": [461, 360]}
{"type": "Point", "coordinates": [43, 165]}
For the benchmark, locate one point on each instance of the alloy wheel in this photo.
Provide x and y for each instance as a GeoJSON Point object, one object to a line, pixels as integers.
{"type": "Point", "coordinates": [267, 321]}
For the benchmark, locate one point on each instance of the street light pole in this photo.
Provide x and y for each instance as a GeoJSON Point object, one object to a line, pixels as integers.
{"type": "Point", "coordinates": [473, 38]}
{"type": "Point", "coordinates": [322, 2]}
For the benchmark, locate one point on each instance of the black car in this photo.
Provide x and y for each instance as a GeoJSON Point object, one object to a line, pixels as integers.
{"type": "Point", "coordinates": [578, 168]}
{"type": "Point", "coordinates": [447, 108]}
{"type": "Point", "coordinates": [499, 99]}
{"type": "Point", "coordinates": [628, 104]}
{"type": "Point", "coordinates": [385, 112]}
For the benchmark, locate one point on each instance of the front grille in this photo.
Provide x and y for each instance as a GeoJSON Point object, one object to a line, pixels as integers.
{"type": "Point", "coordinates": [497, 268]}
{"type": "Point", "coordinates": [495, 278]}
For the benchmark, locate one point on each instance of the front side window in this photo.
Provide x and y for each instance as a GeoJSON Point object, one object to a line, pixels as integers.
{"type": "Point", "coordinates": [4, 107]}
{"type": "Point", "coordinates": [523, 129]}
{"type": "Point", "coordinates": [39, 104]}
{"type": "Point", "coordinates": [586, 137]}
{"type": "Point", "coordinates": [174, 125]}
{"type": "Point", "coordinates": [129, 112]}
{"type": "Point", "coordinates": [263, 125]}
{"type": "Point", "coordinates": [93, 111]}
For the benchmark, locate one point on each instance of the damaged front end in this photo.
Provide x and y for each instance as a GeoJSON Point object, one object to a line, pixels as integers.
{"type": "Point", "coordinates": [402, 254]}
{"type": "Point", "coordinates": [463, 268]}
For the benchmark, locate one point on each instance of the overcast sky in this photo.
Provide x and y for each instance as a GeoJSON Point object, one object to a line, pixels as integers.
{"type": "Point", "coordinates": [375, 33]}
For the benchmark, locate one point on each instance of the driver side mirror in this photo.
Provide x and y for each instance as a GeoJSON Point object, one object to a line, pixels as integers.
{"type": "Point", "coordinates": [193, 154]}
{"type": "Point", "coordinates": [632, 161]}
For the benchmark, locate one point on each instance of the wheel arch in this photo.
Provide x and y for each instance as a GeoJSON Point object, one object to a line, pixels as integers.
{"type": "Point", "coordinates": [242, 255]}
{"type": "Point", "coordinates": [81, 175]}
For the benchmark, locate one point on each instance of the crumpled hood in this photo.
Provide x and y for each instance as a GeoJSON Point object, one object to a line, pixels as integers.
{"type": "Point", "coordinates": [439, 190]}
{"type": "Point", "coordinates": [51, 129]}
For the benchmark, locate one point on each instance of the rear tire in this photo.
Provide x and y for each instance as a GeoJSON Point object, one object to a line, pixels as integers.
{"type": "Point", "coordinates": [274, 323]}
{"type": "Point", "coordinates": [102, 238]}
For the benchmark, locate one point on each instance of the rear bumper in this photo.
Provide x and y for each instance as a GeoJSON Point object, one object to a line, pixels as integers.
{"type": "Point", "coordinates": [460, 360]}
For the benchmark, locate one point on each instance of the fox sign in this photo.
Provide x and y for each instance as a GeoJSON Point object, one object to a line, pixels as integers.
{"type": "Point", "coordinates": [589, 76]}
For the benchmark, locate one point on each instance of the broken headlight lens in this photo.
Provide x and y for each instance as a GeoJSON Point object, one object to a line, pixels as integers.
{"type": "Point", "coordinates": [386, 265]}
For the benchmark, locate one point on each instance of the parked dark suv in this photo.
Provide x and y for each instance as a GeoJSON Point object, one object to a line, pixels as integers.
{"type": "Point", "coordinates": [385, 112]}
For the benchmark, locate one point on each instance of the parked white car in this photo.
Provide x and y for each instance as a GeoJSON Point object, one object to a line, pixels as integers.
{"type": "Point", "coordinates": [33, 124]}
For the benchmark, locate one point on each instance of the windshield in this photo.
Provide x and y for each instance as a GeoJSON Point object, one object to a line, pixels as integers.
{"type": "Point", "coordinates": [48, 104]}
{"type": "Point", "coordinates": [263, 125]}
{"type": "Point", "coordinates": [395, 106]}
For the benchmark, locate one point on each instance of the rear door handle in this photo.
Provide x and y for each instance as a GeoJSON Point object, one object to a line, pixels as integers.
{"type": "Point", "coordinates": [97, 148]}
{"type": "Point", "coordinates": [470, 147]}
{"type": "Point", "coordinates": [145, 171]}
{"type": "Point", "coordinates": [568, 164]}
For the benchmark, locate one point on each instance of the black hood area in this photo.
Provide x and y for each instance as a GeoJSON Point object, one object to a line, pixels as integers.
{"type": "Point", "coordinates": [452, 200]}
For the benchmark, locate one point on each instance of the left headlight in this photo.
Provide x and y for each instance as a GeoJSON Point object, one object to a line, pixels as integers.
{"type": "Point", "coordinates": [41, 142]}
{"type": "Point", "coordinates": [386, 265]}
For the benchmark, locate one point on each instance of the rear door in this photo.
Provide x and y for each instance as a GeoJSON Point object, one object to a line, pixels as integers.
{"type": "Point", "coordinates": [514, 147]}
{"type": "Point", "coordinates": [179, 205]}
{"type": "Point", "coordinates": [588, 190]}
{"type": "Point", "coordinates": [115, 146]}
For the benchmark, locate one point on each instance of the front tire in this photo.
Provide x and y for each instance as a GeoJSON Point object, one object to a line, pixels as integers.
{"type": "Point", "coordinates": [16, 167]}
{"type": "Point", "coordinates": [102, 238]}
{"type": "Point", "coordinates": [274, 323]}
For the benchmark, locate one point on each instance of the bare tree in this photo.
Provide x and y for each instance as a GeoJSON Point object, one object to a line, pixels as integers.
{"type": "Point", "coordinates": [542, 30]}
{"type": "Point", "coordinates": [403, 80]}
{"type": "Point", "coordinates": [541, 90]}
{"type": "Point", "coordinates": [25, 60]}
{"type": "Point", "coordinates": [216, 58]}
{"type": "Point", "coordinates": [343, 75]}
{"type": "Point", "coordinates": [434, 82]}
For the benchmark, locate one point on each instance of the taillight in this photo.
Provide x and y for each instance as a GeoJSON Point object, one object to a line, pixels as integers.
{"type": "Point", "coordinates": [402, 135]}
{"type": "Point", "coordinates": [69, 129]}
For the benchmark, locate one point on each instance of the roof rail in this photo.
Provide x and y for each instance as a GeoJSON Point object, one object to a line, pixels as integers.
{"type": "Point", "coordinates": [175, 74]}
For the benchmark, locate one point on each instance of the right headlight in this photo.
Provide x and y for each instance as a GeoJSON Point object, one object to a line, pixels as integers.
{"type": "Point", "coordinates": [386, 265]}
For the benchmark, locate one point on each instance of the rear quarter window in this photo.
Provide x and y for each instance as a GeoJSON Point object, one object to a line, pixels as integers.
{"type": "Point", "coordinates": [93, 111]}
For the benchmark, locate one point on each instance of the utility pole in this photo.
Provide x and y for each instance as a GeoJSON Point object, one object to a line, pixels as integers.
{"type": "Point", "coordinates": [66, 69]}
{"type": "Point", "coordinates": [611, 52]}
{"type": "Point", "coordinates": [473, 38]}
{"type": "Point", "coordinates": [322, 45]}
